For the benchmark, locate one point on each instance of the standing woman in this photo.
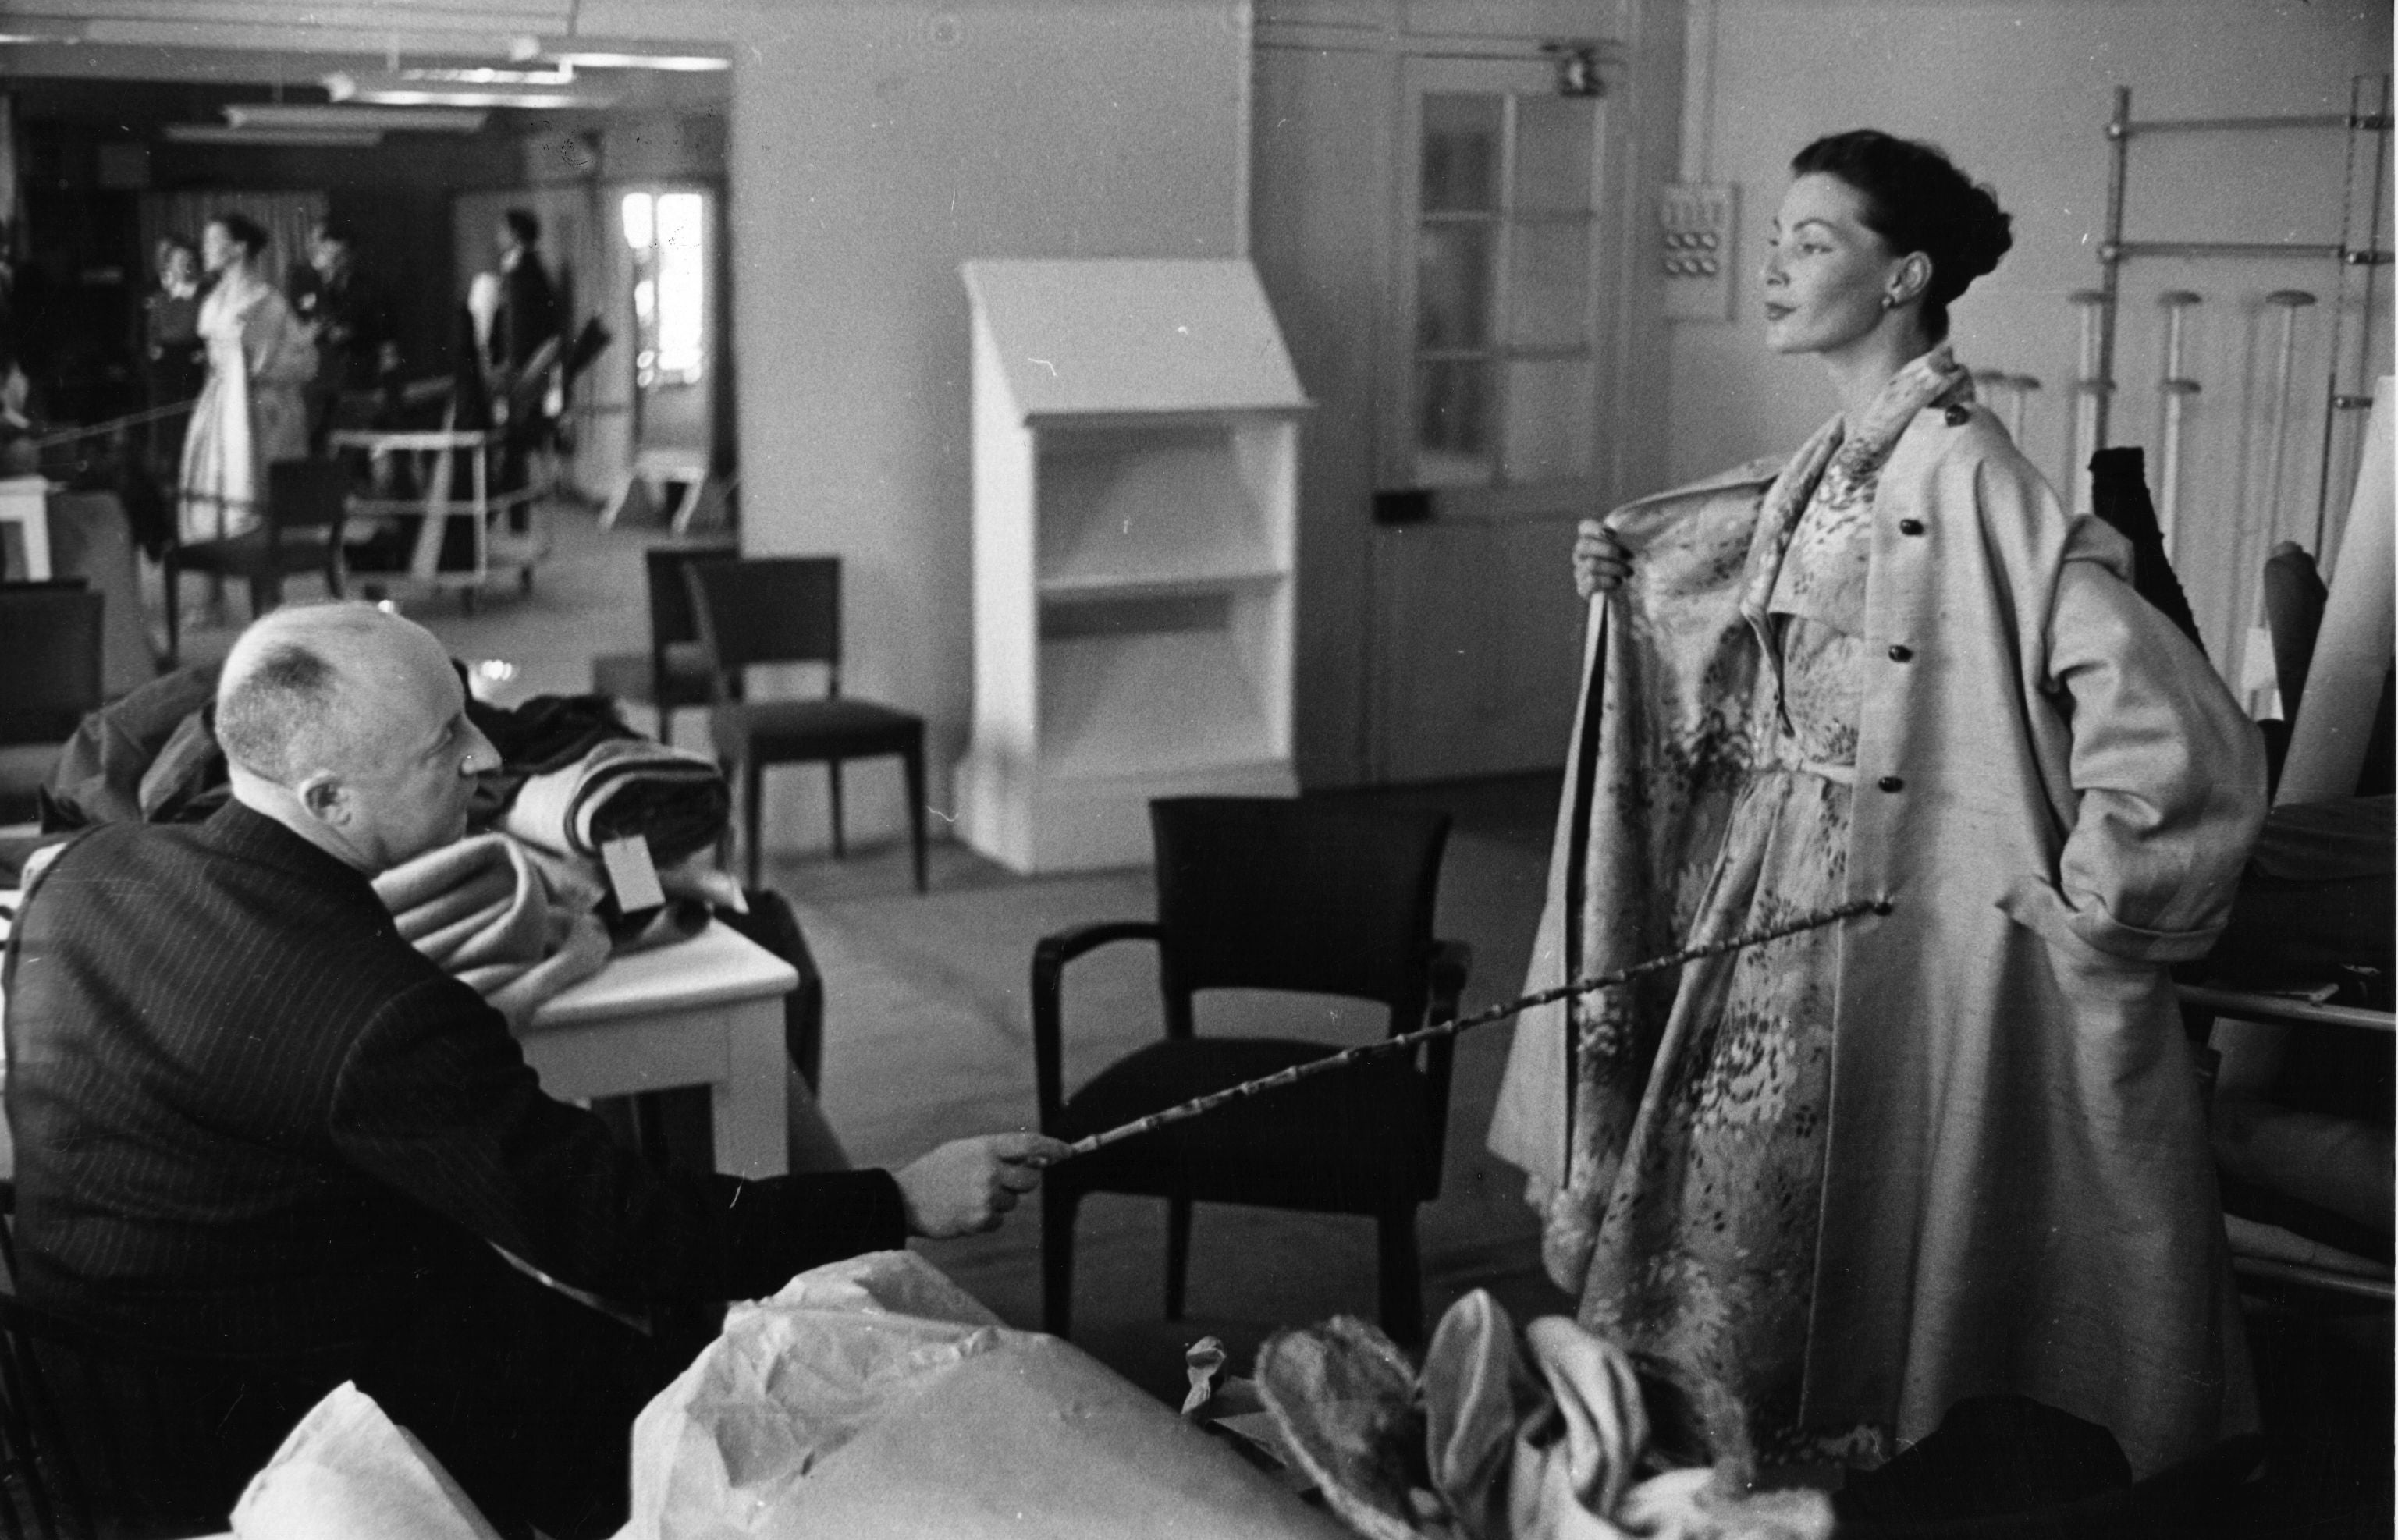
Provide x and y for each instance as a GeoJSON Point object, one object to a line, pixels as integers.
{"type": "Point", "coordinates": [1852, 1177]}
{"type": "Point", "coordinates": [253, 410]}
{"type": "Point", "coordinates": [175, 360]}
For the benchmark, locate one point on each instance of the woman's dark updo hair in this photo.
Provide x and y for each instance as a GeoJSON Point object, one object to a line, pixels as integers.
{"type": "Point", "coordinates": [245, 232]}
{"type": "Point", "coordinates": [1917, 200]}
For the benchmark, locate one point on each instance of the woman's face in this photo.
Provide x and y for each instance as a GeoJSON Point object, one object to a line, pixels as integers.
{"type": "Point", "coordinates": [1825, 271]}
{"type": "Point", "coordinates": [175, 265]}
{"type": "Point", "coordinates": [218, 248]}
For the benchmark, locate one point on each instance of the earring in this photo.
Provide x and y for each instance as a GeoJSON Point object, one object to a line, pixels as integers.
{"type": "Point", "coordinates": [1888, 301]}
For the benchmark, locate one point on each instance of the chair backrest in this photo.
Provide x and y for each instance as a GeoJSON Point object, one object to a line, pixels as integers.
{"type": "Point", "coordinates": [307, 493]}
{"type": "Point", "coordinates": [50, 659]}
{"type": "Point", "coordinates": [768, 610]}
{"type": "Point", "coordinates": [1280, 893]}
{"type": "Point", "coordinates": [671, 618]}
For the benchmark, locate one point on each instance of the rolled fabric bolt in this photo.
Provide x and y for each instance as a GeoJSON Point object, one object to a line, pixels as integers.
{"type": "Point", "coordinates": [1408, 1041]}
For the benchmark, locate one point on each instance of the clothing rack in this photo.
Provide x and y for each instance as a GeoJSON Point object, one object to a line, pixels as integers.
{"type": "Point", "coordinates": [2366, 125]}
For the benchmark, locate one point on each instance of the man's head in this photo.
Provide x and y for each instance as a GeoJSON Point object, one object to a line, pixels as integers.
{"type": "Point", "coordinates": [519, 228]}
{"type": "Point", "coordinates": [331, 249]}
{"type": "Point", "coordinates": [347, 724]}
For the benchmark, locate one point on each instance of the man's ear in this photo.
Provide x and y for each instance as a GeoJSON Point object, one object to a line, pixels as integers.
{"type": "Point", "coordinates": [327, 800]}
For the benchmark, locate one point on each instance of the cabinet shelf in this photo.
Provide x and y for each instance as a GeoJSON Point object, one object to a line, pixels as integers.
{"type": "Point", "coordinates": [1135, 521]}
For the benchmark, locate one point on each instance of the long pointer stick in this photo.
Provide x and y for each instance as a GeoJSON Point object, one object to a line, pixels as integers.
{"type": "Point", "coordinates": [1213, 1099]}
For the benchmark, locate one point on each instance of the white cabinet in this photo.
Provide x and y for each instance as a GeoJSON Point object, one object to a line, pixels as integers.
{"type": "Point", "coordinates": [1135, 442]}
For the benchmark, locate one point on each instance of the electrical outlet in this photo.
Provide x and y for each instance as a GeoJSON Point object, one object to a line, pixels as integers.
{"type": "Point", "coordinates": [1694, 251]}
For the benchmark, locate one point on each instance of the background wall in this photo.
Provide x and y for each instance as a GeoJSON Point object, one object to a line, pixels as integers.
{"type": "Point", "coordinates": [873, 146]}
{"type": "Point", "coordinates": [2019, 93]}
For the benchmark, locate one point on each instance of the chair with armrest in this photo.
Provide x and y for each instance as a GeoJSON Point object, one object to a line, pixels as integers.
{"type": "Point", "coordinates": [50, 675]}
{"type": "Point", "coordinates": [306, 501]}
{"type": "Point", "coordinates": [787, 609]}
{"type": "Point", "coordinates": [1268, 894]}
{"type": "Point", "coordinates": [674, 672]}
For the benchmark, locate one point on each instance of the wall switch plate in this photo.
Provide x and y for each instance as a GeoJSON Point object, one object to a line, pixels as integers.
{"type": "Point", "coordinates": [1694, 251]}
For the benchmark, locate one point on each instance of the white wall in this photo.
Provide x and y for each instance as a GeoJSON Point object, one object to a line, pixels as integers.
{"type": "Point", "coordinates": [873, 146]}
{"type": "Point", "coordinates": [2019, 91]}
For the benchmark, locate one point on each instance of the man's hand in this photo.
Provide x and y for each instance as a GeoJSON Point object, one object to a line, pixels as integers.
{"type": "Point", "coordinates": [968, 1185]}
{"type": "Point", "coordinates": [1600, 561]}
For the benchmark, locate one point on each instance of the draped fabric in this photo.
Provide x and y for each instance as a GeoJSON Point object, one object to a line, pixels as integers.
{"type": "Point", "coordinates": [251, 412]}
{"type": "Point", "coordinates": [2055, 794]}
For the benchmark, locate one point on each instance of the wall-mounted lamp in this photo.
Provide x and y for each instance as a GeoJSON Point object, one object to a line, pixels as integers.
{"type": "Point", "coordinates": [1577, 68]}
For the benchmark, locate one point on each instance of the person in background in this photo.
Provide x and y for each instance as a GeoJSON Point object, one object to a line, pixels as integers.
{"type": "Point", "coordinates": [252, 411]}
{"type": "Point", "coordinates": [1953, 1147]}
{"type": "Point", "coordinates": [526, 332]}
{"type": "Point", "coordinates": [175, 362]}
{"type": "Point", "coordinates": [357, 347]}
{"type": "Point", "coordinates": [256, 1127]}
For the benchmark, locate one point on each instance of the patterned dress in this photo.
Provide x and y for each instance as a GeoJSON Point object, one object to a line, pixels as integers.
{"type": "Point", "coordinates": [1707, 1252]}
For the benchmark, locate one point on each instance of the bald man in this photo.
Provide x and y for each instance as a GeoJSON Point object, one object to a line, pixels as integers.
{"type": "Point", "coordinates": [257, 1130]}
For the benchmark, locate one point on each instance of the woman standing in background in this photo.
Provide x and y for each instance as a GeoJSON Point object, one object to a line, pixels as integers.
{"type": "Point", "coordinates": [253, 410]}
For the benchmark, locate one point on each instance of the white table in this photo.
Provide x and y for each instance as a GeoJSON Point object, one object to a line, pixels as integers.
{"type": "Point", "coordinates": [704, 1012]}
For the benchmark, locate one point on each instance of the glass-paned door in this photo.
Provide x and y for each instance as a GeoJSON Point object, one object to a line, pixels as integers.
{"type": "Point", "coordinates": [1501, 280]}
{"type": "Point", "coordinates": [1492, 418]}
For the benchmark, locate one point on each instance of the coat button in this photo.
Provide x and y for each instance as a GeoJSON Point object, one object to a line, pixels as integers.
{"type": "Point", "coordinates": [1891, 782]}
{"type": "Point", "coordinates": [1910, 527]}
{"type": "Point", "coordinates": [1957, 415]}
{"type": "Point", "coordinates": [1900, 653]}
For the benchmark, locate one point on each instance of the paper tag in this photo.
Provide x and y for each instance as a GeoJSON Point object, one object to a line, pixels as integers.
{"type": "Point", "coordinates": [631, 873]}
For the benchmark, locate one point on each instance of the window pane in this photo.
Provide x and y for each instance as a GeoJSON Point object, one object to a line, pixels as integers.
{"type": "Point", "coordinates": [1548, 299]}
{"type": "Point", "coordinates": [1553, 149]}
{"type": "Point", "coordinates": [683, 287]}
{"type": "Point", "coordinates": [1453, 285]}
{"type": "Point", "coordinates": [1453, 424]}
{"type": "Point", "coordinates": [1549, 420]}
{"type": "Point", "coordinates": [1461, 153]}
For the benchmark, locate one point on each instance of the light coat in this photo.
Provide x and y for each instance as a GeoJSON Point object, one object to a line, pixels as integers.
{"type": "Point", "coordinates": [2054, 795]}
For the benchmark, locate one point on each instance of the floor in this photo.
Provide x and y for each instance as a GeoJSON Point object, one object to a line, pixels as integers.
{"type": "Point", "coordinates": [2324, 1379]}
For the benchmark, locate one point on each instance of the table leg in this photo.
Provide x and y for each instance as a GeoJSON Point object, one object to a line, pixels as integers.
{"type": "Point", "coordinates": [751, 1104]}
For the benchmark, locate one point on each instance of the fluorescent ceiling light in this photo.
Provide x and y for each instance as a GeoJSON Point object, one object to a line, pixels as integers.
{"type": "Point", "coordinates": [225, 133]}
{"type": "Point", "coordinates": [395, 90]}
{"type": "Point", "coordinates": [484, 74]}
{"type": "Point", "coordinates": [587, 59]}
{"type": "Point", "coordinates": [7, 37]}
{"type": "Point", "coordinates": [679, 57]}
{"type": "Point", "coordinates": [307, 115]}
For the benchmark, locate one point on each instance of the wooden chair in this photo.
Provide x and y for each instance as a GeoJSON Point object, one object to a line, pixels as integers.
{"type": "Point", "coordinates": [301, 532]}
{"type": "Point", "coordinates": [674, 672]}
{"type": "Point", "coordinates": [1277, 894]}
{"type": "Point", "coordinates": [50, 677]}
{"type": "Point", "coordinates": [787, 609]}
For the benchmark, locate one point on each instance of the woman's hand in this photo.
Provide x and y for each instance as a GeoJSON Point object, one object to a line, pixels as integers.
{"type": "Point", "coordinates": [1600, 561]}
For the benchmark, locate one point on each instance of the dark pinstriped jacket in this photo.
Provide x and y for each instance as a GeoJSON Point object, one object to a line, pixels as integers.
{"type": "Point", "coordinates": [250, 1118]}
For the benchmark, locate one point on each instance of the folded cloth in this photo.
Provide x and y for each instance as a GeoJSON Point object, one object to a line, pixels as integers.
{"type": "Point", "coordinates": [349, 1469]}
{"type": "Point", "coordinates": [674, 798]}
{"type": "Point", "coordinates": [873, 1398]}
{"type": "Point", "coordinates": [1549, 1437]}
{"type": "Point", "coordinates": [514, 931]}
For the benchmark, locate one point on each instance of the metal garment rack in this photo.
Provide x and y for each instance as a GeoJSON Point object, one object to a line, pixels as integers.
{"type": "Point", "coordinates": [2367, 123]}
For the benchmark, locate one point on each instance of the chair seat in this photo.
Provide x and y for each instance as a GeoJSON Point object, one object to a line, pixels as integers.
{"type": "Point", "coordinates": [781, 730]}
{"type": "Point", "coordinates": [626, 676]}
{"type": "Point", "coordinates": [301, 550]}
{"type": "Point", "coordinates": [1347, 1139]}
